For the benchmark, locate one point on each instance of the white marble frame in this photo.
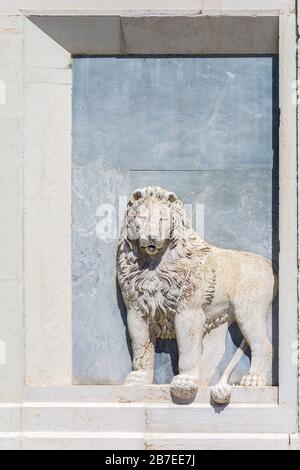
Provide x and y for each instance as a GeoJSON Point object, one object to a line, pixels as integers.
{"type": "Point", "coordinates": [47, 211]}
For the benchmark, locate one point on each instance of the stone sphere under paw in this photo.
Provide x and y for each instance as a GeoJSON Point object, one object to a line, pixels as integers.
{"type": "Point", "coordinates": [184, 387]}
{"type": "Point", "coordinates": [221, 393]}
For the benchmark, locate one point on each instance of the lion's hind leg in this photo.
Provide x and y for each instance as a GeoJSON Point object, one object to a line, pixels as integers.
{"type": "Point", "coordinates": [252, 323]}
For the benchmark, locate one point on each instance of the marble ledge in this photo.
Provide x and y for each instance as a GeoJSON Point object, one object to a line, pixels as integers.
{"type": "Point", "coordinates": [144, 394]}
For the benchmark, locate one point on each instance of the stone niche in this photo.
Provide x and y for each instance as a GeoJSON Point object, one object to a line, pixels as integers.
{"type": "Point", "coordinates": [203, 127]}
{"type": "Point", "coordinates": [114, 101]}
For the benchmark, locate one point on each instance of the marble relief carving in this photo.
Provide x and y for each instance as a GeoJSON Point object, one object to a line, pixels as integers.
{"type": "Point", "coordinates": [214, 145]}
{"type": "Point", "coordinates": [176, 285]}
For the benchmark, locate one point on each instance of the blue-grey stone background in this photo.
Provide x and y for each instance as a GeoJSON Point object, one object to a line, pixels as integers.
{"type": "Point", "coordinates": [204, 127]}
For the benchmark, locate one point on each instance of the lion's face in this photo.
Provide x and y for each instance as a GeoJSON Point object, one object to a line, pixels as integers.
{"type": "Point", "coordinates": [152, 225]}
{"type": "Point", "coordinates": [150, 221]}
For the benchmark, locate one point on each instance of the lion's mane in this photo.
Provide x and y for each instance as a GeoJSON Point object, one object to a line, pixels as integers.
{"type": "Point", "coordinates": [161, 293]}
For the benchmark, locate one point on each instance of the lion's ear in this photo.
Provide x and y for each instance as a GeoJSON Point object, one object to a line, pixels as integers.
{"type": "Point", "coordinates": [137, 194]}
{"type": "Point", "coordinates": [172, 197]}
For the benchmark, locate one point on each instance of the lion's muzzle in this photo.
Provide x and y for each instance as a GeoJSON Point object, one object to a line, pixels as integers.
{"type": "Point", "coordinates": [151, 245]}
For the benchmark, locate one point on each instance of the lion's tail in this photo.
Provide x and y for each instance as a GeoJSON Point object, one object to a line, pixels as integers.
{"type": "Point", "coordinates": [221, 392]}
{"type": "Point", "coordinates": [234, 361]}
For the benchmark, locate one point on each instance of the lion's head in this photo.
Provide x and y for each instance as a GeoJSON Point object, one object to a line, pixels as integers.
{"type": "Point", "coordinates": [155, 220]}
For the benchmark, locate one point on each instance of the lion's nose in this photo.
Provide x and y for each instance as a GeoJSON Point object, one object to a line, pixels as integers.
{"type": "Point", "coordinates": [149, 240]}
{"type": "Point", "coordinates": [153, 239]}
{"type": "Point", "coordinates": [144, 240]}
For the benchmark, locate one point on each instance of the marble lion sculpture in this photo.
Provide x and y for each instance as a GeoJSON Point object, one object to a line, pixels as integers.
{"type": "Point", "coordinates": [175, 285]}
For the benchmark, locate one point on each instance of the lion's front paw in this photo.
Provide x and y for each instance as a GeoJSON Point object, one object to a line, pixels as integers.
{"type": "Point", "coordinates": [251, 380]}
{"type": "Point", "coordinates": [138, 377]}
{"type": "Point", "coordinates": [221, 393]}
{"type": "Point", "coordinates": [184, 387]}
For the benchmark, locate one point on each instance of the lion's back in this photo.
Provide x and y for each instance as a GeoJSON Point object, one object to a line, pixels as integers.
{"type": "Point", "coordinates": [242, 274]}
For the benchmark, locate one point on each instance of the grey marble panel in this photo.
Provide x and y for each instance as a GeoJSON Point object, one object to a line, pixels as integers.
{"type": "Point", "coordinates": [190, 113]}
{"type": "Point", "coordinates": [202, 127]}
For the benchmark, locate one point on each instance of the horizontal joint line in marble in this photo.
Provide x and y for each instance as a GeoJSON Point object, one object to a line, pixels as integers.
{"type": "Point", "coordinates": [153, 13]}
